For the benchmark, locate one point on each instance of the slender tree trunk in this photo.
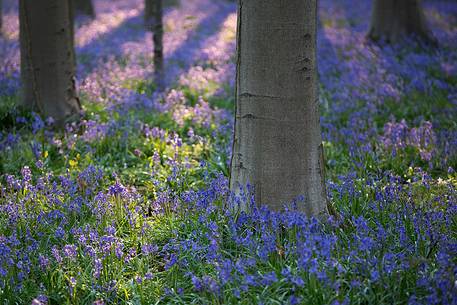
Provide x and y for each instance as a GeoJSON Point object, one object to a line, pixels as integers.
{"type": "Point", "coordinates": [72, 40]}
{"type": "Point", "coordinates": [148, 14]}
{"type": "Point", "coordinates": [153, 17]}
{"type": "Point", "coordinates": [47, 58]}
{"type": "Point", "coordinates": [277, 145]}
{"type": "Point", "coordinates": [394, 20]}
{"type": "Point", "coordinates": [84, 7]}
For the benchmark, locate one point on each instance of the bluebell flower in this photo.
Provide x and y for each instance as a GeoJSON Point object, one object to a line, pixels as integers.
{"type": "Point", "coordinates": [269, 278]}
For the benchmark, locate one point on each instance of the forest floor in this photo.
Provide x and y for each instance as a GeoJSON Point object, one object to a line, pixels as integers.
{"type": "Point", "coordinates": [128, 206]}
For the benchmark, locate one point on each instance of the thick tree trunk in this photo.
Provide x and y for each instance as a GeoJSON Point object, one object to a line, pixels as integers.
{"type": "Point", "coordinates": [277, 145]}
{"type": "Point", "coordinates": [394, 20]}
{"type": "Point", "coordinates": [47, 58]}
{"type": "Point", "coordinates": [84, 7]}
{"type": "Point", "coordinates": [153, 17]}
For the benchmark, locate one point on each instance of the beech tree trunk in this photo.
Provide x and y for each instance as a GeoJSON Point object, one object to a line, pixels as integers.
{"type": "Point", "coordinates": [394, 20]}
{"type": "Point", "coordinates": [277, 146]}
{"type": "Point", "coordinates": [153, 16]}
{"type": "Point", "coordinates": [48, 59]}
{"type": "Point", "coordinates": [84, 7]}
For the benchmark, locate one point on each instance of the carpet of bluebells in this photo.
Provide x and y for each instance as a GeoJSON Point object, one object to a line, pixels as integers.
{"type": "Point", "coordinates": [129, 205]}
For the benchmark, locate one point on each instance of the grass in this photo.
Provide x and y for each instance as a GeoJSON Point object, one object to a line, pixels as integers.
{"type": "Point", "coordinates": [181, 230]}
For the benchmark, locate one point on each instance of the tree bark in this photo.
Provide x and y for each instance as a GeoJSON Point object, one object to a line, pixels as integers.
{"type": "Point", "coordinates": [277, 146]}
{"type": "Point", "coordinates": [153, 17]}
{"type": "Point", "coordinates": [394, 20]}
{"type": "Point", "coordinates": [148, 14]}
{"type": "Point", "coordinates": [47, 59]}
{"type": "Point", "coordinates": [84, 7]}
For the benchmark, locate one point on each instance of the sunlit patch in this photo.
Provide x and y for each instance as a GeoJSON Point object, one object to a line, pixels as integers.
{"type": "Point", "coordinates": [10, 27]}
{"type": "Point", "coordinates": [103, 24]}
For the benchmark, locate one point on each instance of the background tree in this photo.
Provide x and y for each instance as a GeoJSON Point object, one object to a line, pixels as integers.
{"type": "Point", "coordinates": [148, 14]}
{"type": "Point", "coordinates": [153, 18]}
{"type": "Point", "coordinates": [394, 20]}
{"type": "Point", "coordinates": [84, 7]}
{"type": "Point", "coordinates": [47, 58]}
{"type": "Point", "coordinates": [277, 144]}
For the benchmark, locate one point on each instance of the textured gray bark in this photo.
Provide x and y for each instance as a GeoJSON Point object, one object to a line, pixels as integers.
{"type": "Point", "coordinates": [153, 17]}
{"type": "Point", "coordinates": [47, 58]}
{"type": "Point", "coordinates": [394, 20]}
{"type": "Point", "coordinates": [277, 145]}
{"type": "Point", "coordinates": [84, 7]}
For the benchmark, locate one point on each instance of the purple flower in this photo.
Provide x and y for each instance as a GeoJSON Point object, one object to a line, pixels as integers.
{"type": "Point", "coordinates": [198, 286]}
{"type": "Point", "coordinates": [37, 123]}
{"type": "Point", "coordinates": [117, 189]}
{"type": "Point", "coordinates": [210, 284]}
{"type": "Point", "coordinates": [59, 233]}
{"type": "Point", "coordinates": [98, 267]}
{"type": "Point", "coordinates": [294, 300]}
{"type": "Point", "coordinates": [44, 262]}
{"type": "Point", "coordinates": [138, 279]}
{"type": "Point", "coordinates": [269, 278]}
{"type": "Point", "coordinates": [110, 230]}
{"type": "Point", "coordinates": [26, 175]}
{"type": "Point", "coordinates": [172, 260]}
{"type": "Point", "coordinates": [297, 281]}
{"type": "Point", "coordinates": [56, 253]}
{"type": "Point", "coordinates": [148, 276]}
{"type": "Point", "coordinates": [70, 251]}
{"type": "Point", "coordinates": [40, 300]}
{"type": "Point", "coordinates": [149, 249]}
{"type": "Point", "coordinates": [374, 275]}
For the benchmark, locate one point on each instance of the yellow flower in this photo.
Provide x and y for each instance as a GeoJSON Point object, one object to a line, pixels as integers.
{"type": "Point", "coordinates": [73, 163]}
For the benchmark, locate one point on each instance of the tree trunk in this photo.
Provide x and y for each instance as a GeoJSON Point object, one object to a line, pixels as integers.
{"type": "Point", "coordinates": [153, 20]}
{"type": "Point", "coordinates": [395, 20]}
{"type": "Point", "coordinates": [148, 14]}
{"type": "Point", "coordinates": [47, 58]}
{"type": "Point", "coordinates": [84, 7]}
{"type": "Point", "coordinates": [277, 146]}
